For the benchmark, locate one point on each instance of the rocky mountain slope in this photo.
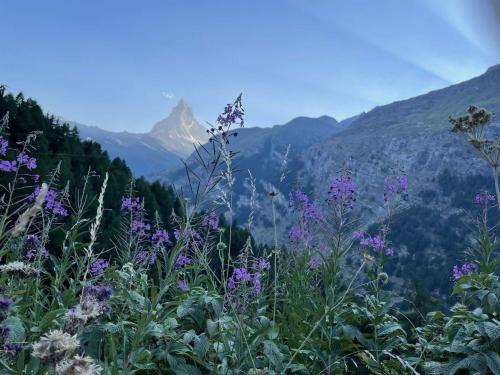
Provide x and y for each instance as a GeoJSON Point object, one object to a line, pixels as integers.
{"type": "Point", "coordinates": [410, 136]}
{"type": "Point", "coordinates": [160, 149]}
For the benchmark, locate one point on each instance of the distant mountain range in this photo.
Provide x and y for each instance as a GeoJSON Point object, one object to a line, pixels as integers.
{"type": "Point", "coordinates": [410, 136]}
{"type": "Point", "coordinates": [159, 150]}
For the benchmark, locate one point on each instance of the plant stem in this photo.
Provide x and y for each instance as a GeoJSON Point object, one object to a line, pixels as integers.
{"type": "Point", "coordinates": [497, 188]}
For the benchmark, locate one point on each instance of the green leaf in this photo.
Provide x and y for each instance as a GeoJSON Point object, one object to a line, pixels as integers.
{"type": "Point", "coordinates": [272, 353]}
{"type": "Point", "coordinates": [17, 332]}
{"type": "Point", "coordinates": [201, 346]}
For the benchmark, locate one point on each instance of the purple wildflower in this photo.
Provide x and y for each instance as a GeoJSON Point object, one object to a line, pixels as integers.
{"type": "Point", "coordinates": [8, 166]}
{"type": "Point", "coordinates": [100, 292]}
{"type": "Point", "coordinates": [465, 270]}
{"type": "Point", "coordinates": [139, 227]}
{"type": "Point", "coordinates": [183, 260]}
{"type": "Point", "coordinates": [257, 286]}
{"type": "Point", "coordinates": [314, 263]}
{"type": "Point", "coordinates": [378, 243]}
{"type": "Point", "coordinates": [397, 186]}
{"type": "Point", "coordinates": [35, 177]}
{"type": "Point", "coordinates": [145, 256]}
{"type": "Point", "coordinates": [358, 234]}
{"type": "Point", "coordinates": [482, 198]}
{"type": "Point", "coordinates": [34, 194]}
{"type": "Point", "coordinates": [5, 304]}
{"type": "Point", "coordinates": [389, 252]}
{"type": "Point", "coordinates": [159, 237]}
{"type": "Point", "coordinates": [343, 191]}
{"type": "Point", "coordinates": [53, 204]}
{"type": "Point", "coordinates": [32, 247]}
{"type": "Point", "coordinates": [99, 266]}
{"type": "Point", "coordinates": [131, 204]}
{"type": "Point", "coordinates": [3, 146]}
{"type": "Point", "coordinates": [25, 159]}
{"type": "Point", "coordinates": [242, 274]}
{"type": "Point", "coordinates": [230, 116]}
{"type": "Point", "coordinates": [211, 221]}
{"type": "Point", "coordinates": [12, 348]}
{"type": "Point", "coordinates": [262, 264]}
{"type": "Point", "coordinates": [295, 234]}
{"type": "Point", "coordinates": [300, 201]}
{"type": "Point", "coordinates": [182, 284]}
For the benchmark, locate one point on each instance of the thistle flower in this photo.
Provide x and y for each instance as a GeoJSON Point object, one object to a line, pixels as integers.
{"type": "Point", "coordinates": [78, 365]}
{"type": "Point", "coordinates": [18, 268]}
{"type": "Point", "coordinates": [54, 346]}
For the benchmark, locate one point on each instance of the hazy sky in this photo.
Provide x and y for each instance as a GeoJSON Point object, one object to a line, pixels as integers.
{"type": "Point", "coordinates": [122, 65]}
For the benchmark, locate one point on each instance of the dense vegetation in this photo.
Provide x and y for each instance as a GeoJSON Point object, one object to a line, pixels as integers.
{"type": "Point", "coordinates": [185, 294]}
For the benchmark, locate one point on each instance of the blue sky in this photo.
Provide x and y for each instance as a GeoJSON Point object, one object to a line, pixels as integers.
{"type": "Point", "coordinates": [122, 65]}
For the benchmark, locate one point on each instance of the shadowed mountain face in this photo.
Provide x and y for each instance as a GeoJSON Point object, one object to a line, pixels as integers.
{"type": "Point", "coordinates": [161, 149]}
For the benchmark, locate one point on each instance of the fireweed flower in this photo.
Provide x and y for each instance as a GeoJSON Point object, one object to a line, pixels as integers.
{"type": "Point", "coordinates": [52, 204]}
{"type": "Point", "coordinates": [139, 228]}
{"type": "Point", "coordinates": [99, 266]}
{"type": "Point", "coordinates": [482, 198]}
{"type": "Point", "coordinates": [8, 166]}
{"type": "Point", "coordinates": [261, 264]}
{"type": "Point", "coordinates": [146, 257]}
{"type": "Point", "coordinates": [183, 260]}
{"type": "Point", "coordinates": [343, 192]}
{"type": "Point", "coordinates": [159, 237]}
{"type": "Point", "coordinates": [131, 204]}
{"type": "Point", "coordinates": [376, 243]}
{"type": "Point", "coordinates": [32, 247]}
{"type": "Point", "coordinates": [3, 146]}
{"type": "Point", "coordinates": [24, 159]}
{"type": "Point", "coordinates": [399, 186]}
{"type": "Point", "coordinates": [182, 284]}
{"type": "Point", "coordinates": [465, 269]}
{"type": "Point", "coordinates": [211, 221]}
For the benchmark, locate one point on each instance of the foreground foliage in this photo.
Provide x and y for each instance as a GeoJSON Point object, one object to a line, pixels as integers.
{"type": "Point", "coordinates": [182, 294]}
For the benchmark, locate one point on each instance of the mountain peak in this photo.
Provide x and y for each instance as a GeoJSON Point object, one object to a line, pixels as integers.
{"type": "Point", "coordinates": [179, 130]}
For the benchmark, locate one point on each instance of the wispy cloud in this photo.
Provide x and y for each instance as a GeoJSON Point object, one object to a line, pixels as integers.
{"type": "Point", "coordinates": [168, 95]}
